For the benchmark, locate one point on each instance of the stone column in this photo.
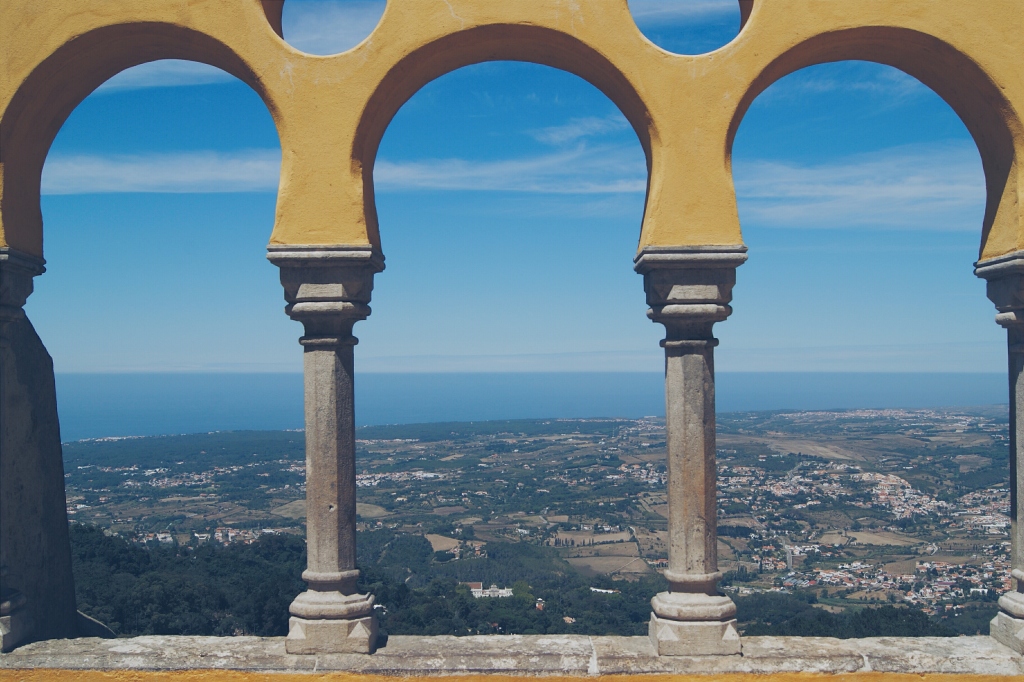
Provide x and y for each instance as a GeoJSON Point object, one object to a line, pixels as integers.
{"type": "Point", "coordinates": [1005, 277]}
{"type": "Point", "coordinates": [327, 290]}
{"type": "Point", "coordinates": [688, 291]}
{"type": "Point", "coordinates": [37, 589]}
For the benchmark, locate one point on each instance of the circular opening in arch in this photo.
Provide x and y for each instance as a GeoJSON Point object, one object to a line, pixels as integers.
{"type": "Point", "coordinates": [325, 27]}
{"type": "Point", "coordinates": [510, 197]}
{"type": "Point", "coordinates": [690, 27]}
{"type": "Point", "coordinates": [862, 197]}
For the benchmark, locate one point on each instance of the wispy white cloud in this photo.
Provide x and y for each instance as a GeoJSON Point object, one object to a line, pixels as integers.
{"type": "Point", "coordinates": [329, 26]}
{"type": "Point", "coordinates": [935, 187]}
{"type": "Point", "coordinates": [886, 85]}
{"type": "Point", "coordinates": [677, 11]}
{"type": "Point", "coordinates": [580, 128]}
{"type": "Point", "coordinates": [184, 172]}
{"type": "Point", "coordinates": [313, 26]}
{"type": "Point", "coordinates": [582, 170]}
{"type": "Point", "coordinates": [165, 73]}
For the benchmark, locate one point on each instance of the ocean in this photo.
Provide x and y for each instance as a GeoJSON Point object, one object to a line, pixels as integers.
{"type": "Point", "coordinates": [104, 405]}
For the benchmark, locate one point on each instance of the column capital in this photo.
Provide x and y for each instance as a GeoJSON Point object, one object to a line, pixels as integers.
{"type": "Point", "coordinates": [327, 288]}
{"type": "Point", "coordinates": [689, 288]}
{"type": "Point", "coordinates": [16, 272]}
{"type": "Point", "coordinates": [1005, 288]}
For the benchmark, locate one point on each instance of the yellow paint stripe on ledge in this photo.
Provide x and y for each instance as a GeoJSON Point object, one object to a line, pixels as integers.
{"type": "Point", "coordinates": [46, 675]}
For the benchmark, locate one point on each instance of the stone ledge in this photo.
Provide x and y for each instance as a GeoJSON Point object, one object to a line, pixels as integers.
{"type": "Point", "coordinates": [526, 655]}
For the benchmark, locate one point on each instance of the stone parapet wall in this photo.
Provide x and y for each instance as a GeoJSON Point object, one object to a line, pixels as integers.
{"type": "Point", "coordinates": [769, 658]}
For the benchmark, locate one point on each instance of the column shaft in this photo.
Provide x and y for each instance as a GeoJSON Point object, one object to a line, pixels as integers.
{"type": "Point", "coordinates": [1015, 356]}
{"type": "Point", "coordinates": [690, 426]}
{"type": "Point", "coordinates": [330, 466]}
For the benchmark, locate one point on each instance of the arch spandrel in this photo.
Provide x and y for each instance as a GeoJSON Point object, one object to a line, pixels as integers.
{"type": "Point", "coordinates": [330, 113]}
{"type": "Point", "coordinates": [416, 42]}
{"type": "Point", "coordinates": [61, 52]}
{"type": "Point", "coordinates": [962, 51]}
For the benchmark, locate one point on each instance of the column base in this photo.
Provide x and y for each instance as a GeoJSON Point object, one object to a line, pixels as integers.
{"type": "Point", "coordinates": [1008, 631]}
{"type": "Point", "coordinates": [694, 638]}
{"type": "Point", "coordinates": [354, 636]}
{"type": "Point", "coordinates": [1007, 627]}
{"type": "Point", "coordinates": [693, 624]}
{"type": "Point", "coordinates": [15, 622]}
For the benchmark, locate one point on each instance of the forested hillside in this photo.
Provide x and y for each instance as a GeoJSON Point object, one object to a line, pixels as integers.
{"type": "Point", "coordinates": [245, 590]}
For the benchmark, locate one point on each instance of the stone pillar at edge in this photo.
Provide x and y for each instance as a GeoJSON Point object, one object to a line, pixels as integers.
{"type": "Point", "coordinates": [328, 290]}
{"type": "Point", "coordinates": [37, 587]}
{"type": "Point", "coordinates": [1005, 288]}
{"type": "Point", "coordinates": [688, 291]}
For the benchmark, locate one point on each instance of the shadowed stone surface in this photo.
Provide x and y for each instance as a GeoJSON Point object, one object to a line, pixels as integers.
{"type": "Point", "coordinates": [1005, 288]}
{"type": "Point", "coordinates": [528, 655]}
{"type": "Point", "coordinates": [37, 590]}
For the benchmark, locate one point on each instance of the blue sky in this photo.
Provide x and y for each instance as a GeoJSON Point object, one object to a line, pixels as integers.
{"type": "Point", "coordinates": [510, 198]}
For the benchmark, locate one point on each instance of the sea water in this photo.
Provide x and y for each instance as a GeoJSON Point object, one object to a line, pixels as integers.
{"type": "Point", "coordinates": [102, 405]}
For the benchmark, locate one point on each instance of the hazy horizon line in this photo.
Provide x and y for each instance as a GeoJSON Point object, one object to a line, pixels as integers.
{"type": "Point", "coordinates": [477, 372]}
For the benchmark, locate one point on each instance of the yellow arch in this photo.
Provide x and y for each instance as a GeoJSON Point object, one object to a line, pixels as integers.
{"type": "Point", "coordinates": [59, 84]}
{"type": "Point", "coordinates": [940, 66]}
{"type": "Point", "coordinates": [505, 42]}
{"type": "Point", "coordinates": [331, 111]}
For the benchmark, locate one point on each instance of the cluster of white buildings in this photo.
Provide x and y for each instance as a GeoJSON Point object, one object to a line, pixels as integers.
{"type": "Point", "coordinates": [479, 591]}
{"type": "Point", "coordinates": [371, 480]}
{"type": "Point", "coordinates": [646, 473]}
{"type": "Point", "coordinates": [898, 496]}
{"type": "Point", "coordinates": [987, 510]}
{"type": "Point", "coordinates": [931, 583]}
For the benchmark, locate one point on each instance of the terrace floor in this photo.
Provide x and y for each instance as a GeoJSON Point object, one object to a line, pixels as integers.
{"type": "Point", "coordinates": [519, 655]}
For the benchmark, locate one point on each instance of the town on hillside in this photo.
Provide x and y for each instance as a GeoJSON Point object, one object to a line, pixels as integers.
{"type": "Point", "coordinates": [864, 507]}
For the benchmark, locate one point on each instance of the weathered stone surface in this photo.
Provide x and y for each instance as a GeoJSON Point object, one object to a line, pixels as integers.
{"type": "Point", "coordinates": [688, 291]}
{"type": "Point", "coordinates": [1005, 277]}
{"type": "Point", "coordinates": [15, 623]}
{"type": "Point", "coordinates": [328, 290]}
{"type": "Point", "coordinates": [529, 655]}
{"type": "Point", "coordinates": [1008, 631]}
{"type": "Point", "coordinates": [340, 636]}
{"type": "Point", "coordinates": [35, 553]}
{"type": "Point", "coordinates": [688, 638]}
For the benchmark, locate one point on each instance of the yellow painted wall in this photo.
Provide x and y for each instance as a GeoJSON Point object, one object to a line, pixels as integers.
{"type": "Point", "coordinates": [331, 112]}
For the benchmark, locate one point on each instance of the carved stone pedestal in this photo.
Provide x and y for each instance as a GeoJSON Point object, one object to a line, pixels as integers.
{"type": "Point", "coordinates": [1008, 626]}
{"type": "Point", "coordinates": [15, 620]}
{"type": "Point", "coordinates": [693, 624]}
{"type": "Point", "coordinates": [1008, 631]}
{"type": "Point", "coordinates": [691, 638]}
{"type": "Point", "coordinates": [358, 636]}
{"type": "Point", "coordinates": [331, 622]}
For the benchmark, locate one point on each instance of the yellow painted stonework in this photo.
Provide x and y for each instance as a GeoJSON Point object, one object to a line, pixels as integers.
{"type": "Point", "coordinates": [331, 111]}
